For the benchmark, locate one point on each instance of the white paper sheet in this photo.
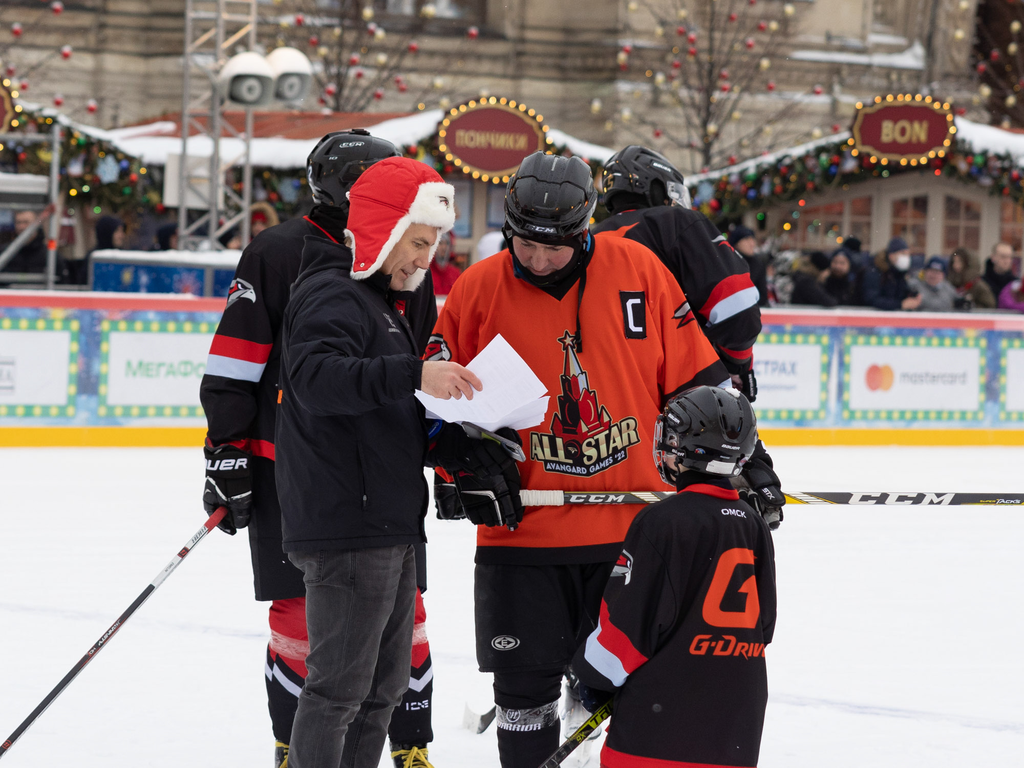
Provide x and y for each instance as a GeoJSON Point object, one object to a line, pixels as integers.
{"type": "Point", "coordinates": [512, 393]}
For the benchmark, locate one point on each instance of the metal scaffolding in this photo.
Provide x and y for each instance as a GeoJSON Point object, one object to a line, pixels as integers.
{"type": "Point", "coordinates": [212, 29]}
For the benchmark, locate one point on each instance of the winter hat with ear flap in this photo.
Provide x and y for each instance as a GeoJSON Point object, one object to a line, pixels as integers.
{"type": "Point", "coordinates": [389, 196]}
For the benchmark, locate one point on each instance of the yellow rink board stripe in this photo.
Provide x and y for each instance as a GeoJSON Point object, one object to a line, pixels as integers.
{"type": "Point", "coordinates": [193, 437]}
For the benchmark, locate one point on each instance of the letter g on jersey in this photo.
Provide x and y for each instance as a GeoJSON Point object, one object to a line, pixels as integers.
{"type": "Point", "coordinates": [712, 612]}
{"type": "Point", "coordinates": [504, 643]}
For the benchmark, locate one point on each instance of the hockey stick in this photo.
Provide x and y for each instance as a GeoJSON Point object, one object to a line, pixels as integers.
{"type": "Point", "coordinates": [478, 723]}
{"type": "Point", "coordinates": [558, 498]}
{"type": "Point", "coordinates": [580, 735]}
{"type": "Point", "coordinates": [105, 638]}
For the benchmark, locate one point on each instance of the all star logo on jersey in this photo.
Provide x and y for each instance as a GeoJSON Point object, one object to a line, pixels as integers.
{"type": "Point", "coordinates": [624, 566]}
{"type": "Point", "coordinates": [240, 289]}
{"type": "Point", "coordinates": [583, 439]}
{"type": "Point", "coordinates": [437, 349]}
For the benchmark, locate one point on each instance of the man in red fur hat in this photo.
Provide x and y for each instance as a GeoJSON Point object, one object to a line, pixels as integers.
{"type": "Point", "coordinates": [352, 442]}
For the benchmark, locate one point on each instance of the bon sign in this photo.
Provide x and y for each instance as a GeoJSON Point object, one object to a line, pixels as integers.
{"type": "Point", "coordinates": [903, 128]}
{"type": "Point", "coordinates": [490, 137]}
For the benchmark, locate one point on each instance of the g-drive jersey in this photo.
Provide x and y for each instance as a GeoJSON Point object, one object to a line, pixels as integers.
{"type": "Point", "coordinates": [683, 625]}
{"type": "Point", "coordinates": [640, 345]}
{"type": "Point", "coordinates": [713, 276]}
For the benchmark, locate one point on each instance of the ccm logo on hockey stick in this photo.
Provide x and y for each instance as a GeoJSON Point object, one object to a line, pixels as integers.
{"type": "Point", "coordinates": [596, 498]}
{"type": "Point", "coordinates": [901, 498]}
{"type": "Point", "coordinates": [223, 465]}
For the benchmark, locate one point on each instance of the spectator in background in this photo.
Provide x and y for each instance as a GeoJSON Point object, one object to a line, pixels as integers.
{"type": "Point", "coordinates": [232, 239]}
{"type": "Point", "coordinates": [1012, 296]}
{"type": "Point", "coordinates": [110, 235]}
{"type": "Point", "coordinates": [807, 274]}
{"type": "Point", "coordinates": [262, 216]}
{"type": "Point", "coordinates": [167, 237]}
{"type": "Point", "coordinates": [999, 268]}
{"type": "Point", "coordinates": [744, 242]}
{"type": "Point", "coordinates": [489, 244]}
{"type": "Point", "coordinates": [937, 295]}
{"type": "Point", "coordinates": [443, 269]}
{"type": "Point", "coordinates": [31, 257]}
{"type": "Point", "coordinates": [841, 280]}
{"type": "Point", "coordinates": [885, 282]}
{"type": "Point", "coordinates": [965, 275]}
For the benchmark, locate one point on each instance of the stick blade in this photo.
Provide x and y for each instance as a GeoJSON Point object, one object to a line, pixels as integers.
{"type": "Point", "coordinates": [477, 723]}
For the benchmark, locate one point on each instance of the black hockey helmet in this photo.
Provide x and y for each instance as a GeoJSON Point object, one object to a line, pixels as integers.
{"type": "Point", "coordinates": [706, 429]}
{"type": "Point", "coordinates": [550, 199]}
{"type": "Point", "coordinates": [648, 177]}
{"type": "Point", "coordinates": [338, 159]}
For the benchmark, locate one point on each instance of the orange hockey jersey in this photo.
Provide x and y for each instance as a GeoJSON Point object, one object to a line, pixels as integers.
{"type": "Point", "coordinates": [641, 344]}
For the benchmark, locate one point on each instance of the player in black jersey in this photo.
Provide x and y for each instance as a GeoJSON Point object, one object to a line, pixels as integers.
{"type": "Point", "coordinates": [690, 605]}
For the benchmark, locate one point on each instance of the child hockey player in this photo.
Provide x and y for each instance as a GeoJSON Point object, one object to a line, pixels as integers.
{"type": "Point", "coordinates": [690, 605]}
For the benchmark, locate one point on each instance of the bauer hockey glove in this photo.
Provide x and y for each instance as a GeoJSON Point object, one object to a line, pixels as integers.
{"type": "Point", "coordinates": [760, 487]}
{"type": "Point", "coordinates": [228, 484]}
{"type": "Point", "coordinates": [745, 381]}
{"type": "Point", "coordinates": [455, 451]}
{"type": "Point", "coordinates": [489, 500]}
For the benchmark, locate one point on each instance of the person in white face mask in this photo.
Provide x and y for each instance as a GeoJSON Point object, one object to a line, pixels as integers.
{"type": "Point", "coordinates": [885, 283]}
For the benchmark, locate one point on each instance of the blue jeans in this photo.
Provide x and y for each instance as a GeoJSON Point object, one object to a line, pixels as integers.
{"type": "Point", "coordinates": [359, 611]}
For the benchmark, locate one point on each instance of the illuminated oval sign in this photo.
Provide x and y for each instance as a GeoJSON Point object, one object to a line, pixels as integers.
{"type": "Point", "coordinates": [904, 127]}
{"type": "Point", "coordinates": [7, 112]}
{"type": "Point", "coordinates": [488, 138]}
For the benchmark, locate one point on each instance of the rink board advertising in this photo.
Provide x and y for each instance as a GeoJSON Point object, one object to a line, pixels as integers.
{"type": "Point", "coordinates": [123, 360]}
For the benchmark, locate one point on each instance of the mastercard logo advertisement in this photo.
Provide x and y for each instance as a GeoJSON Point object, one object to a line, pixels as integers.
{"type": "Point", "coordinates": [879, 377]}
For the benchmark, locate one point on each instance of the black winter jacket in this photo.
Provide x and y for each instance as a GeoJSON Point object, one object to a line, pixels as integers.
{"type": "Point", "coordinates": [351, 437]}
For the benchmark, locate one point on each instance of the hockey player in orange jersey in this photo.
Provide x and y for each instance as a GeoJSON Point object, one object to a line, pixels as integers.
{"type": "Point", "coordinates": [604, 325]}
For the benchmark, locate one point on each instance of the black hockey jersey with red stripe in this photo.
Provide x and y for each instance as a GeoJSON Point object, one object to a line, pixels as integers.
{"type": "Point", "coordinates": [240, 386]}
{"type": "Point", "coordinates": [713, 276]}
{"type": "Point", "coordinates": [683, 626]}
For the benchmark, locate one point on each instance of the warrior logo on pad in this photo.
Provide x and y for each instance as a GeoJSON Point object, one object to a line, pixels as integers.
{"type": "Point", "coordinates": [583, 439]}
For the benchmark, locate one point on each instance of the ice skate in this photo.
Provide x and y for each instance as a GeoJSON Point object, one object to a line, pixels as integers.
{"type": "Point", "coordinates": [280, 755]}
{"type": "Point", "coordinates": [410, 756]}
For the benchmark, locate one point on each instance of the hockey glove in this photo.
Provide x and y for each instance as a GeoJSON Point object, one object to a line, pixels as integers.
{"type": "Point", "coordinates": [746, 382]}
{"type": "Point", "coordinates": [490, 501]}
{"type": "Point", "coordinates": [761, 488]}
{"type": "Point", "coordinates": [455, 451]}
{"type": "Point", "coordinates": [591, 698]}
{"type": "Point", "coordinates": [228, 484]}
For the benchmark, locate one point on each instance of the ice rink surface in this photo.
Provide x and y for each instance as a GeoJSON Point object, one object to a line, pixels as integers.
{"type": "Point", "coordinates": [898, 639]}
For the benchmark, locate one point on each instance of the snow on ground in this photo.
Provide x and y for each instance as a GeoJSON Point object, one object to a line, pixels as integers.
{"type": "Point", "coordinates": [897, 640]}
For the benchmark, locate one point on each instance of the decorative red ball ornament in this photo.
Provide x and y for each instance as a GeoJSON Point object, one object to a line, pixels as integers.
{"type": "Point", "coordinates": [57, 7]}
{"type": "Point", "coordinates": [691, 52]}
{"type": "Point", "coordinates": [371, 28]}
{"type": "Point", "coordinates": [23, 85]}
{"type": "Point", "coordinates": [817, 90]}
{"type": "Point", "coordinates": [314, 41]}
{"type": "Point", "coordinates": [378, 94]}
{"type": "Point", "coordinates": [1006, 190]}
{"type": "Point", "coordinates": [16, 29]}
{"type": "Point", "coordinates": [359, 74]}
{"type": "Point", "coordinates": [835, 127]}
{"type": "Point", "coordinates": [981, 67]}
{"type": "Point", "coordinates": [413, 47]}
{"type": "Point", "coordinates": [810, 186]}
{"type": "Point", "coordinates": [961, 110]}
{"type": "Point", "coordinates": [733, 17]}
{"type": "Point", "coordinates": [680, 30]}
{"type": "Point", "coordinates": [623, 66]}
{"type": "Point", "coordinates": [723, 75]}
{"type": "Point", "coordinates": [714, 204]}
{"type": "Point", "coordinates": [1015, 175]}
{"type": "Point", "coordinates": [472, 33]}
{"type": "Point", "coordinates": [330, 89]}
{"type": "Point", "coordinates": [402, 87]}
{"type": "Point", "coordinates": [299, 19]}
{"type": "Point", "coordinates": [58, 100]}
{"type": "Point", "coordinates": [353, 59]}
{"type": "Point", "coordinates": [10, 70]}
{"type": "Point", "coordinates": [657, 133]}
{"type": "Point", "coordinates": [691, 38]}
{"type": "Point", "coordinates": [732, 159]}
{"type": "Point", "coordinates": [65, 52]}
{"type": "Point", "coordinates": [749, 42]}
{"type": "Point", "coordinates": [753, 2]}
{"type": "Point", "coordinates": [133, 177]}
{"type": "Point", "coordinates": [994, 54]}
{"type": "Point", "coordinates": [762, 26]}
{"type": "Point", "coordinates": [627, 49]}
{"type": "Point", "coordinates": [322, 101]}
{"type": "Point", "coordinates": [91, 106]}
{"type": "Point", "coordinates": [725, 87]}
{"type": "Point", "coordinates": [771, 85]}
{"type": "Point", "coordinates": [676, 64]}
